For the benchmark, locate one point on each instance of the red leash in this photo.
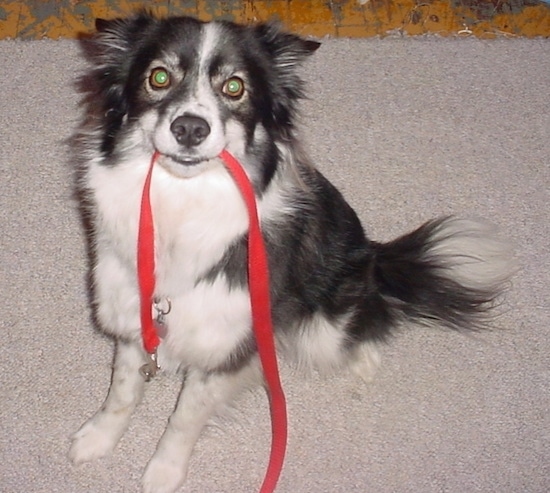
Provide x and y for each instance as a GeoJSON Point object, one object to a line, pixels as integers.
{"type": "Point", "coordinates": [258, 280]}
{"type": "Point", "coordinates": [146, 266]}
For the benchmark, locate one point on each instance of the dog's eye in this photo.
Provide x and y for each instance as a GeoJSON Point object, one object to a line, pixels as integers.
{"type": "Point", "coordinates": [233, 87]}
{"type": "Point", "coordinates": [159, 78]}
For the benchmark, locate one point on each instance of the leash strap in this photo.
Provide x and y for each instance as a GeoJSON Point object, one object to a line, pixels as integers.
{"type": "Point", "coordinates": [146, 265]}
{"type": "Point", "coordinates": [258, 280]}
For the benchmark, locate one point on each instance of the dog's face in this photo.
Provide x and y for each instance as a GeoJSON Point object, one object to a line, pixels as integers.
{"type": "Point", "coordinates": [190, 89]}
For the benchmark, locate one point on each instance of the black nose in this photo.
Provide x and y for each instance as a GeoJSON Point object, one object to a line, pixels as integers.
{"type": "Point", "coordinates": [190, 130]}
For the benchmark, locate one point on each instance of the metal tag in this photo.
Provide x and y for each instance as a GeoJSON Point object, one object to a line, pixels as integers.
{"type": "Point", "coordinates": [161, 307]}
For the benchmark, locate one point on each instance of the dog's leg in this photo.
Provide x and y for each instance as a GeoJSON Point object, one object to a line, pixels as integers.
{"type": "Point", "coordinates": [101, 433]}
{"type": "Point", "coordinates": [202, 396]}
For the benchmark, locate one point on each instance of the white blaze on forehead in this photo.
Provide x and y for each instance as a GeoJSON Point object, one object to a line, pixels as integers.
{"type": "Point", "coordinates": [211, 34]}
{"type": "Point", "coordinates": [203, 96]}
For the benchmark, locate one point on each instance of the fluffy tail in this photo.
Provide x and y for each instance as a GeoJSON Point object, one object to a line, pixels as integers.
{"type": "Point", "coordinates": [448, 272]}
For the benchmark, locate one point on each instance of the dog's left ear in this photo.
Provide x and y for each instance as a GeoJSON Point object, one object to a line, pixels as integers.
{"type": "Point", "coordinates": [287, 50]}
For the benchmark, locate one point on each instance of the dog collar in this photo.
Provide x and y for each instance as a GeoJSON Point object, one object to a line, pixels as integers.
{"type": "Point", "coordinates": [258, 282]}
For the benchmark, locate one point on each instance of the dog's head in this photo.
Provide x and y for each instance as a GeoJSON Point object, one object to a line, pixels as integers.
{"type": "Point", "coordinates": [189, 89]}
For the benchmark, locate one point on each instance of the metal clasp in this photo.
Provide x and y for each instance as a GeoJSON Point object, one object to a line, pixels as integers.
{"type": "Point", "coordinates": [149, 370]}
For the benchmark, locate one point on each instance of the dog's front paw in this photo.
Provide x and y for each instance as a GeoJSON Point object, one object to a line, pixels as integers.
{"type": "Point", "coordinates": [94, 440]}
{"type": "Point", "coordinates": [163, 476]}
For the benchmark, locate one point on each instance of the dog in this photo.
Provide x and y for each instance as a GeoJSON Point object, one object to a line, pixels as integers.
{"type": "Point", "coordinates": [189, 90]}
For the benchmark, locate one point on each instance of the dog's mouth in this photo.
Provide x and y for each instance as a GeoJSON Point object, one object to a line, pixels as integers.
{"type": "Point", "coordinates": [186, 166]}
{"type": "Point", "coordinates": [186, 160]}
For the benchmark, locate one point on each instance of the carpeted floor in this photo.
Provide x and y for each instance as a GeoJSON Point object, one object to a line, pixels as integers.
{"type": "Point", "coordinates": [409, 129]}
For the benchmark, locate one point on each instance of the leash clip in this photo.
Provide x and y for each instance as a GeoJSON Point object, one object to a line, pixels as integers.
{"type": "Point", "coordinates": [150, 369]}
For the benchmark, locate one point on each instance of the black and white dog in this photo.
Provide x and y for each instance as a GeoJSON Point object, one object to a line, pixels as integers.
{"type": "Point", "coordinates": [189, 90]}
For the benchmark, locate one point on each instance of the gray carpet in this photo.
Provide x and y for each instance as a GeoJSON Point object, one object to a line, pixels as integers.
{"type": "Point", "coordinates": [409, 129]}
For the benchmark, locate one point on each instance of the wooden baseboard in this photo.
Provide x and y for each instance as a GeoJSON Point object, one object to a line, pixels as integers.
{"type": "Point", "coordinates": [36, 19]}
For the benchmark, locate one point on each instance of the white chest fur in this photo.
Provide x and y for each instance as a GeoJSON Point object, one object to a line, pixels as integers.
{"type": "Point", "coordinates": [195, 219]}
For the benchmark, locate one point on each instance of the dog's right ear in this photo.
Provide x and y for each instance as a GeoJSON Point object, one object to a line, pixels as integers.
{"type": "Point", "coordinates": [115, 38]}
{"type": "Point", "coordinates": [102, 24]}
{"type": "Point", "coordinates": [111, 51]}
